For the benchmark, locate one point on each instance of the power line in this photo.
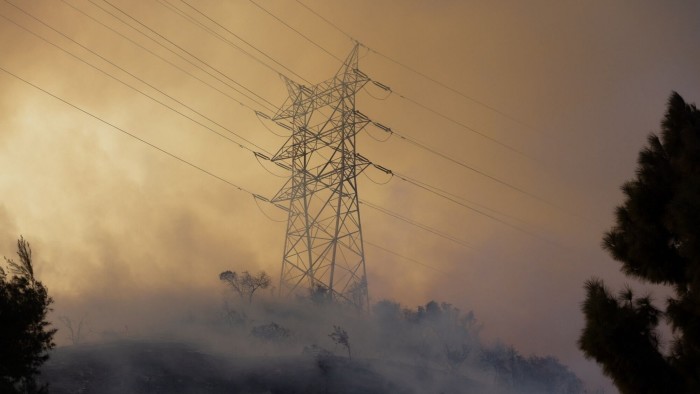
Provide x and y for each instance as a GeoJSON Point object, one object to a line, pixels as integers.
{"type": "Point", "coordinates": [140, 80]}
{"type": "Point", "coordinates": [405, 257]}
{"type": "Point", "coordinates": [403, 137]}
{"type": "Point", "coordinates": [448, 87]}
{"type": "Point", "coordinates": [444, 193]}
{"type": "Point", "coordinates": [327, 21]}
{"type": "Point", "coordinates": [458, 197]}
{"type": "Point", "coordinates": [415, 223]}
{"type": "Point", "coordinates": [376, 207]}
{"type": "Point", "coordinates": [381, 209]}
{"type": "Point", "coordinates": [461, 201]}
{"type": "Point", "coordinates": [297, 31]}
{"type": "Point", "coordinates": [144, 94]}
{"type": "Point", "coordinates": [438, 192]}
{"type": "Point", "coordinates": [181, 49]}
{"type": "Point", "coordinates": [461, 124]}
{"type": "Point", "coordinates": [160, 57]}
{"type": "Point", "coordinates": [415, 71]}
{"type": "Point", "coordinates": [460, 163]}
{"type": "Point", "coordinates": [408, 139]}
{"type": "Point", "coordinates": [248, 43]}
{"type": "Point", "coordinates": [180, 159]}
{"type": "Point", "coordinates": [405, 178]}
{"type": "Point", "coordinates": [153, 146]}
{"type": "Point", "coordinates": [413, 101]}
{"type": "Point", "coordinates": [182, 14]}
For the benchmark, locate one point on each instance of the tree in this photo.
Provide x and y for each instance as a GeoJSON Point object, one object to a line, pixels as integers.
{"type": "Point", "coordinates": [75, 334]}
{"type": "Point", "coordinates": [656, 238]}
{"type": "Point", "coordinates": [341, 337]}
{"type": "Point", "coordinates": [271, 332]}
{"type": "Point", "coordinates": [246, 284]}
{"type": "Point", "coordinates": [25, 338]}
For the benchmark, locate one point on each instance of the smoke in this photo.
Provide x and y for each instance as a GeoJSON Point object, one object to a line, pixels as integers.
{"type": "Point", "coordinates": [214, 341]}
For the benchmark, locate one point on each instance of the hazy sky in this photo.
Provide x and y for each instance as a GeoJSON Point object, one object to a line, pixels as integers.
{"type": "Point", "coordinates": [576, 88]}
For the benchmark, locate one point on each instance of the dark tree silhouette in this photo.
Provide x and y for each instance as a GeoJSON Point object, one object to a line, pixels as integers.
{"type": "Point", "coordinates": [271, 332]}
{"type": "Point", "coordinates": [25, 337]}
{"type": "Point", "coordinates": [77, 333]}
{"type": "Point", "coordinates": [246, 284]}
{"type": "Point", "coordinates": [656, 238]}
{"type": "Point", "coordinates": [341, 337]}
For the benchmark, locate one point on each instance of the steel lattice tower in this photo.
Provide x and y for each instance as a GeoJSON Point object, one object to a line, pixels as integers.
{"type": "Point", "coordinates": [323, 246]}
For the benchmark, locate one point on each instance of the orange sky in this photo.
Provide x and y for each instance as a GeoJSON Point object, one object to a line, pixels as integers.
{"type": "Point", "coordinates": [104, 211]}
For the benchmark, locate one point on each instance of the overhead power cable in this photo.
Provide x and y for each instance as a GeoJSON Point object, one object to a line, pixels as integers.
{"type": "Point", "coordinates": [255, 196]}
{"type": "Point", "coordinates": [415, 223]}
{"type": "Point", "coordinates": [413, 101]}
{"type": "Point", "coordinates": [458, 197]}
{"type": "Point", "coordinates": [138, 79]}
{"type": "Point", "coordinates": [461, 124]}
{"type": "Point", "coordinates": [461, 201]}
{"type": "Point", "coordinates": [327, 21]}
{"type": "Point", "coordinates": [145, 94]}
{"type": "Point", "coordinates": [271, 107]}
{"type": "Point", "coordinates": [297, 31]}
{"type": "Point", "coordinates": [454, 239]}
{"type": "Point", "coordinates": [151, 52]}
{"type": "Point", "coordinates": [246, 42]}
{"type": "Point", "coordinates": [460, 163]}
{"type": "Point", "coordinates": [439, 193]}
{"type": "Point", "coordinates": [398, 254]}
{"type": "Point", "coordinates": [405, 257]}
{"type": "Point", "coordinates": [153, 146]}
{"type": "Point", "coordinates": [451, 89]}
{"type": "Point", "coordinates": [422, 74]}
{"type": "Point", "coordinates": [376, 207]}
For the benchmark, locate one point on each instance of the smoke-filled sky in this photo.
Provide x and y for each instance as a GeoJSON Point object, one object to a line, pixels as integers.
{"type": "Point", "coordinates": [556, 99]}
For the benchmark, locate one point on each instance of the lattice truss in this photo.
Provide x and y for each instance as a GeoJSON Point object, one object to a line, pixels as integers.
{"type": "Point", "coordinates": [323, 248]}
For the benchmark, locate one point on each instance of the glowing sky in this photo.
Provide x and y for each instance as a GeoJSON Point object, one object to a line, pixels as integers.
{"type": "Point", "coordinates": [577, 86]}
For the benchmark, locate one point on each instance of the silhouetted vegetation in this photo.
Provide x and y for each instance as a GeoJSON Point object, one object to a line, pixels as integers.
{"type": "Point", "coordinates": [246, 284]}
{"type": "Point", "coordinates": [532, 374]}
{"type": "Point", "coordinates": [341, 337]}
{"type": "Point", "coordinates": [656, 238]}
{"type": "Point", "coordinates": [319, 294]}
{"type": "Point", "coordinates": [272, 332]}
{"type": "Point", "coordinates": [284, 346]}
{"type": "Point", "coordinates": [432, 348]}
{"type": "Point", "coordinates": [25, 338]}
{"type": "Point", "coordinates": [76, 333]}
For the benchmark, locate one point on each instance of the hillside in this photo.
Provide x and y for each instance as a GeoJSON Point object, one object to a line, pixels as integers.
{"type": "Point", "coordinates": [174, 368]}
{"type": "Point", "coordinates": [289, 347]}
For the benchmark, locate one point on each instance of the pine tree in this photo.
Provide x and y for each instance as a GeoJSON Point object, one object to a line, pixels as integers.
{"type": "Point", "coordinates": [656, 238]}
{"type": "Point", "coordinates": [25, 337]}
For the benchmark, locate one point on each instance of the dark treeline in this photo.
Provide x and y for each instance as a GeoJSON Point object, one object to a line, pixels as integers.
{"type": "Point", "coordinates": [656, 239]}
{"type": "Point", "coordinates": [309, 345]}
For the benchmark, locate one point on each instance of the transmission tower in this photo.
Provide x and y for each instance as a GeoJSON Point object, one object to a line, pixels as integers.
{"type": "Point", "coordinates": [323, 248]}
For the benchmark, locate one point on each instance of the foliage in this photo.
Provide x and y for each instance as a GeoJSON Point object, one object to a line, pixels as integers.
{"type": "Point", "coordinates": [528, 374]}
{"type": "Point", "coordinates": [319, 294]}
{"type": "Point", "coordinates": [456, 356]}
{"type": "Point", "coordinates": [234, 317]}
{"type": "Point", "coordinates": [341, 337]}
{"type": "Point", "coordinates": [656, 238]}
{"type": "Point", "coordinates": [357, 293]}
{"type": "Point", "coordinates": [439, 334]}
{"type": "Point", "coordinates": [25, 337]}
{"type": "Point", "coordinates": [272, 332]}
{"type": "Point", "coordinates": [246, 284]}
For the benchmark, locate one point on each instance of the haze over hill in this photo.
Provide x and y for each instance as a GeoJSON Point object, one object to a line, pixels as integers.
{"type": "Point", "coordinates": [286, 347]}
